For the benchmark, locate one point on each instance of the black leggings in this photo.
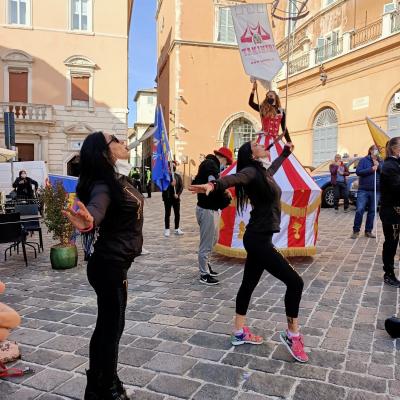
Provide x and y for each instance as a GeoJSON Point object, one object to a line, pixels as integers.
{"type": "Point", "coordinates": [109, 280]}
{"type": "Point", "coordinates": [262, 255]}
{"type": "Point", "coordinates": [176, 204]}
{"type": "Point", "coordinates": [391, 232]}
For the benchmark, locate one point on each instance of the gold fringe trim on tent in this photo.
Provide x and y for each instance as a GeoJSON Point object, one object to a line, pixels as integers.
{"type": "Point", "coordinates": [288, 252]}
{"type": "Point", "coordinates": [301, 211]}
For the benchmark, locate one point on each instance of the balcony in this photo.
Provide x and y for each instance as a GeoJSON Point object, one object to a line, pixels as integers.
{"type": "Point", "coordinates": [386, 26]}
{"type": "Point", "coordinates": [367, 34]}
{"type": "Point", "coordinates": [28, 112]}
{"type": "Point", "coordinates": [329, 50]}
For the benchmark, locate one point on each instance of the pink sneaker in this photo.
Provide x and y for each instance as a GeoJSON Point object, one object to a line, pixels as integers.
{"type": "Point", "coordinates": [295, 345]}
{"type": "Point", "coordinates": [246, 337]}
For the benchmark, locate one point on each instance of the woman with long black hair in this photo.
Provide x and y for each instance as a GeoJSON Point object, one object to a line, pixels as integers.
{"type": "Point", "coordinates": [110, 210]}
{"type": "Point", "coordinates": [254, 182]}
{"type": "Point", "coordinates": [390, 209]}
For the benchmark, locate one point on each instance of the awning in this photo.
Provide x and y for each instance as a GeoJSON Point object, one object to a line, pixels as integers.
{"type": "Point", "coordinates": [149, 133]}
{"type": "Point", "coordinates": [6, 155]}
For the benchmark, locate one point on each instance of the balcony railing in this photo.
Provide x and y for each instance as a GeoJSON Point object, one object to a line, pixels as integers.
{"type": "Point", "coordinates": [367, 34]}
{"type": "Point", "coordinates": [395, 22]}
{"type": "Point", "coordinates": [28, 112]}
{"type": "Point", "coordinates": [328, 51]}
{"type": "Point", "coordinates": [299, 63]}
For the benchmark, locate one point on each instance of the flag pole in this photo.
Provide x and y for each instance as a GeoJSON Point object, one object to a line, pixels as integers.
{"type": "Point", "coordinates": [375, 209]}
{"type": "Point", "coordinates": [169, 148]}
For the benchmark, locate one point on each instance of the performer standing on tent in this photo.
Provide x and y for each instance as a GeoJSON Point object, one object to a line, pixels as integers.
{"type": "Point", "coordinates": [255, 183]}
{"type": "Point", "coordinates": [271, 112]}
{"type": "Point", "coordinates": [390, 209]}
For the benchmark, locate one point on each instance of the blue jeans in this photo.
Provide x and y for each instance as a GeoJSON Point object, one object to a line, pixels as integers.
{"type": "Point", "coordinates": [365, 198]}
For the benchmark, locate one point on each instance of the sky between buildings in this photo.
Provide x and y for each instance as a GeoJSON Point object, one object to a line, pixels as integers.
{"type": "Point", "coordinates": [142, 52]}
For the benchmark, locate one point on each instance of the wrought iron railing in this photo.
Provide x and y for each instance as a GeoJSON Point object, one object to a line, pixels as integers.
{"type": "Point", "coordinates": [367, 34]}
{"type": "Point", "coordinates": [299, 64]}
{"type": "Point", "coordinates": [329, 50]}
{"type": "Point", "coordinates": [28, 111]}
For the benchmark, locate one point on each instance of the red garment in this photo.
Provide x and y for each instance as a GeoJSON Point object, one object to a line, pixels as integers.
{"type": "Point", "coordinates": [270, 125]}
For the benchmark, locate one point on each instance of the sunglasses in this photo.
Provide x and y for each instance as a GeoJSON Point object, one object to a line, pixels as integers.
{"type": "Point", "coordinates": [113, 139]}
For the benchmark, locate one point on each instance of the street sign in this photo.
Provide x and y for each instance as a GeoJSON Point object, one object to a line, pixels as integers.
{"type": "Point", "coordinates": [9, 130]}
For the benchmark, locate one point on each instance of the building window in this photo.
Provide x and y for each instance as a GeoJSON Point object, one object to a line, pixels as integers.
{"type": "Point", "coordinates": [80, 77]}
{"type": "Point", "coordinates": [81, 15]}
{"type": "Point", "coordinates": [18, 86]}
{"type": "Point", "coordinates": [242, 131]}
{"type": "Point", "coordinates": [394, 116]}
{"type": "Point", "coordinates": [325, 136]}
{"type": "Point", "coordinates": [19, 12]}
{"type": "Point", "coordinates": [226, 32]}
{"type": "Point", "coordinates": [80, 90]}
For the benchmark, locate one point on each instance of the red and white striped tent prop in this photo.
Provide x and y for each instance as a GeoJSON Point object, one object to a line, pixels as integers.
{"type": "Point", "coordinates": [300, 207]}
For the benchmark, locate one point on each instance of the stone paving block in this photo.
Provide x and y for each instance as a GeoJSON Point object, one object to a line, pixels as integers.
{"type": "Point", "coordinates": [326, 359]}
{"type": "Point", "coordinates": [135, 357]}
{"type": "Point", "coordinates": [351, 380]}
{"type": "Point", "coordinates": [145, 330]}
{"type": "Point", "coordinates": [252, 396]}
{"type": "Point", "coordinates": [170, 363]}
{"type": "Point", "coordinates": [30, 336]}
{"type": "Point", "coordinates": [174, 386]}
{"type": "Point", "coordinates": [213, 392]}
{"type": "Point", "coordinates": [23, 394]}
{"type": "Point", "coordinates": [217, 373]}
{"type": "Point", "coordinates": [166, 319]}
{"type": "Point", "coordinates": [309, 390]}
{"type": "Point", "coordinates": [304, 371]}
{"type": "Point", "coordinates": [48, 379]}
{"type": "Point", "coordinates": [237, 360]}
{"type": "Point", "coordinates": [270, 385]}
{"type": "Point", "coordinates": [42, 356]}
{"type": "Point", "coordinates": [135, 376]}
{"type": "Point", "coordinates": [68, 362]}
{"type": "Point", "coordinates": [173, 348]}
{"type": "Point", "coordinates": [74, 388]}
{"type": "Point", "coordinates": [49, 315]}
{"type": "Point", "coordinates": [83, 320]}
{"type": "Point", "coordinates": [66, 343]}
{"type": "Point", "coordinates": [265, 365]}
{"type": "Point", "coordinates": [145, 395]}
{"type": "Point", "coordinates": [206, 354]}
{"type": "Point", "coordinates": [175, 334]}
{"type": "Point", "coordinates": [210, 340]}
{"type": "Point", "coordinates": [361, 395]}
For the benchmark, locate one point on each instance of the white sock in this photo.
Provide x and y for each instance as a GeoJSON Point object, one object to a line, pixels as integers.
{"type": "Point", "coordinates": [238, 332]}
{"type": "Point", "coordinates": [292, 334]}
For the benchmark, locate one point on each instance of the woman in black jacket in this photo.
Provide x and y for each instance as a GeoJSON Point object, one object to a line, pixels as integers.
{"type": "Point", "coordinates": [253, 182]}
{"type": "Point", "coordinates": [112, 208]}
{"type": "Point", "coordinates": [23, 186]}
{"type": "Point", "coordinates": [390, 208]}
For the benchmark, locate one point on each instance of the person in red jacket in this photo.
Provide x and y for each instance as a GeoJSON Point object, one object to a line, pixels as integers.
{"type": "Point", "coordinates": [339, 171]}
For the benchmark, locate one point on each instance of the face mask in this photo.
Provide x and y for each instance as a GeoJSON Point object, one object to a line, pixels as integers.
{"type": "Point", "coordinates": [375, 152]}
{"type": "Point", "coordinates": [23, 176]}
{"type": "Point", "coordinates": [265, 162]}
{"type": "Point", "coordinates": [270, 101]}
{"type": "Point", "coordinates": [122, 167]}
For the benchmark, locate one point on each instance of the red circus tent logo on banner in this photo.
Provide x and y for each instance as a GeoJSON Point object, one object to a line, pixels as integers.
{"type": "Point", "coordinates": [255, 35]}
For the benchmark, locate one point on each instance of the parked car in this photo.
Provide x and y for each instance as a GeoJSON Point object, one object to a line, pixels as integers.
{"type": "Point", "coordinates": [309, 168]}
{"type": "Point", "coordinates": [322, 178]}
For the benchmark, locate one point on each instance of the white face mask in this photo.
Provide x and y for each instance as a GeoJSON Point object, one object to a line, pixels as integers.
{"type": "Point", "coordinates": [123, 167]}
{"type": "Point", "coordinates": [375, 152]}
{"type": "Point", "coordinates": [265, 162]}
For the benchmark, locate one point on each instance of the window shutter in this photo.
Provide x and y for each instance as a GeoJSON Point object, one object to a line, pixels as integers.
{"type": "Point", "coordinates": [18, 86]}
{"type": "Point", "coordinates": [80, 88]}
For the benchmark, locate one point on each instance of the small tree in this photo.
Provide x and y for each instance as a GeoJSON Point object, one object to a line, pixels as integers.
{"type": "Point", "coordinates": [55, 200]}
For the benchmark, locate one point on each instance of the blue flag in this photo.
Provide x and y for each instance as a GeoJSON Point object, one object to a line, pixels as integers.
{"type": "Point", "coordinates": [160, 152]}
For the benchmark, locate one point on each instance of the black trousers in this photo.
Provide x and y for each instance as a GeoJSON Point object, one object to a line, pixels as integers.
{"type": "Point", "coordinates": [176, 205]}
{"type": "Point", "coordinates": [109, 280]}
{"type": "Point", "coordinates": [148, 188]}
{"type": "Point", "coordinates": [391, 232]}
{"type": "Point", "coordinates": [340, 191]}
{"type": "Point", "coordinates": [262, 255]}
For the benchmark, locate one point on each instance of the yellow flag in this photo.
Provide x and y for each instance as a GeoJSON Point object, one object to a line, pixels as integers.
{"type": "Point", "coordinates": [379, 136]}
{"type": "Point", "coordinates": [231, 143]}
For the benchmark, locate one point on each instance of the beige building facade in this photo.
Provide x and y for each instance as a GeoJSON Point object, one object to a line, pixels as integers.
{"type": "Point", "coordinates": [63, 72]}
{"type": "Point", "coordinates": [202, 84]}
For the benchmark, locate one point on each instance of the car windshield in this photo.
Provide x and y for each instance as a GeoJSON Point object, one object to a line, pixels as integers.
{"type": "Point", "coordinates": [324, 167]}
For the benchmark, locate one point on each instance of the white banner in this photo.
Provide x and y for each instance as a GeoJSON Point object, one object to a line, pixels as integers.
{"type": "Point", "coordinates": [256, 43]}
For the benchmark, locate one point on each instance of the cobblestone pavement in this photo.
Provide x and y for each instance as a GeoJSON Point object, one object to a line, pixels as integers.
{"type": "Point", "coordinates": [176, 341]}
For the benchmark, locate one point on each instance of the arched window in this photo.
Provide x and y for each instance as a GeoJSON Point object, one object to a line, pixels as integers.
{"type": "Point", "coordinates": [325, 135]}
{"type": "Point", "coordinates": [243, 131]}
{"type": "Point", "coordinates": [393, 118]}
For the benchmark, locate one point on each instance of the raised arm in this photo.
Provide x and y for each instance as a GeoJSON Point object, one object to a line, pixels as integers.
{"type": "Point", "coordinates": [252, 104]}
{"type": "Point", "coordinates": [287, 151]}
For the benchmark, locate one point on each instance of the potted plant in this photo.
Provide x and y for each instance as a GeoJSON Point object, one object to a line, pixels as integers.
{"type": "Point", "coordinates": [64, 254]}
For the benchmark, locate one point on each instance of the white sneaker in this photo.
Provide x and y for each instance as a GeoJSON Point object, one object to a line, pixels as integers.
{"type": "Point", "coordinates": [166, 233]}
{"type": "Point", "coordinates": [179, 232]}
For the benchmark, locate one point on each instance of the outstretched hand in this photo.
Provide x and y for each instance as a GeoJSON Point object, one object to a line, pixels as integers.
{"type": "Point", "coordinates": [206, 188]}
{"type": "Point", "coordinates": [290, 145]}
{"type": "Point", "coordinates": [81, 219]}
